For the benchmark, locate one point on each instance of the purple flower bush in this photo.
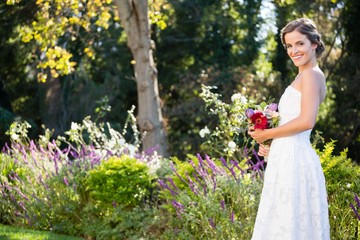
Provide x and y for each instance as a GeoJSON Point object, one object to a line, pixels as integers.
{"type": "Point", "coordinates": [212, 198]}
{"type": "Point", "coordinates": [44, 181]}
{"type": "Point", "coordinates": [45, 184]}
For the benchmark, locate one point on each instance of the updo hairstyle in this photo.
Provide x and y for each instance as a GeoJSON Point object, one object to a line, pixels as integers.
{"type": "Point", "coordinates": [307, 27]}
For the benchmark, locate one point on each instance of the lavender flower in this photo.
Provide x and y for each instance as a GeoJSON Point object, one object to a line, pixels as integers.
{"type": "Point", "coordinates": [66, 181]}
{"type": "Point", "coordinates": [177, 205]}
{"type": "Point", "coordinates": [222, 203]}
{"type": "Point", "coordinates": [236, 164]}
{"type": "Point", "coordinates": [199, 169]}
{"type": "Point", "coordinates": [230, 169]}
{"type": "Point", "coordinates": [212, 223]}
{"type": "Point", "coordinates": [22, 205]}
{"type": "Point", "coordinates": [173, 184]}
{"type": "Point", "coordinates": [166, 186]}
{"type": "Point", "coordinates": [212, 165]}
{"type": "Point", "coordinates": [205, 190]}
{"type": "Point", "coordinates": [21, 193]}
{"type": "Point", "coordinates": [214, 182]}
{"type": "Point", "coordinates": [197, 179]}
{"type": "Point", "coordinates": [192, 185]}
{"type": "Point", "coordinates": [356, 208]}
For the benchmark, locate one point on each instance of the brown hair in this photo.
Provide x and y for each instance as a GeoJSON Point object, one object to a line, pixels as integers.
{"type": "Point", "coordinates": [307, 27]}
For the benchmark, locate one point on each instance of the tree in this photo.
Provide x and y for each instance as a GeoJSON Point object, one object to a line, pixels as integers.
{"type": "Point", "coordinates": [135, 20]}
{"type": "Point", "coordinates": [210, 42]}
{"type": "Point", "coordinates": [60, 24]}
{"type": "Point", "coordinates": [345, 83]}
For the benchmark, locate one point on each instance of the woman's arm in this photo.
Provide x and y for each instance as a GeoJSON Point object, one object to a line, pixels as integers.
{"type": "Point", "coordinates": [310, 87]}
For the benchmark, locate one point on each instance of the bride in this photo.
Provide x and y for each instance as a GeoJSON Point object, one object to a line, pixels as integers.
{"type": "Point", "coordinates": [293, 202]}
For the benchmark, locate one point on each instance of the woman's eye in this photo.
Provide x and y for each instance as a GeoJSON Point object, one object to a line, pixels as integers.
{"type": "Point", "coordinates": [288, 46]}
{"type": "Point", "coordinates": [300, 44]}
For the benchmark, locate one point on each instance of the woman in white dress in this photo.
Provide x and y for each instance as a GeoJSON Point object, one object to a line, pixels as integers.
{"type": "Point", "coordinates": [293, 202]}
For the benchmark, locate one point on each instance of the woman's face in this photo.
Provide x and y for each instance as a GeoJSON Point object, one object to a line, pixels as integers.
{"type": "Point", "coordinates": [300, 49]}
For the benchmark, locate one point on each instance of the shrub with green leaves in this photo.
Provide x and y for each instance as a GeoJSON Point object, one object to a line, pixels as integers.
{"type": "Point", "coordinates": [228, 136]}
{"type": "Point", "coordinates": [120, 180]}
{"type": "Point", "coordinates": [216, 200]}
{"type": "Point", "coordinates": [44, 186]}
{"type": "Point", "coordinates": [343, 181]}
{"type": "Point", "coordinates": [7, 167]}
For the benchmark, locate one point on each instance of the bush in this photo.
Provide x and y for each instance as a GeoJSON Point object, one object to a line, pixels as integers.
{"type": "Point", "coordinates": [219, 201]}
{"type": "Point", "coordinates": [342, 180]}
{"type": "Point", "coordinates": [47, 187]}
{"type": "Point", "coordinates": [47, 191]}
{"type": "Point", "coordinates": [7, 168]}
{"type": "Point", "coordinates": [119, 180]}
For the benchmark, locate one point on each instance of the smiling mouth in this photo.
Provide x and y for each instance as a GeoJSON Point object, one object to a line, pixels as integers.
{"type": "Point", "coordinates": [297, 57]}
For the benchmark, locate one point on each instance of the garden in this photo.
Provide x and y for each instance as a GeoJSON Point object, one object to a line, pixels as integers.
{"type": "Point", "coordinates": [129, 121]}
{"type": "Point", "coordinates": [95, 184]}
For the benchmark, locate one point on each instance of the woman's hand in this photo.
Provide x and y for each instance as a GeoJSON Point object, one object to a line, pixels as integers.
{"type": "Point", "coordinates": [263, 150]}
{"type": "Point", "coordinates": [258, 135]}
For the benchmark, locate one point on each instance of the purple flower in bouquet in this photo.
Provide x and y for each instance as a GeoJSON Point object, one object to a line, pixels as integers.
{"type": "Point", "coordinates": [271, 107]}
{"type": "Point", "coordinates": [249, 112]}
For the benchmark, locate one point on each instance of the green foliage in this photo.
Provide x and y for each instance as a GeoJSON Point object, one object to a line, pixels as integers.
{"type": "Point", "coordinates": [183, 168]}
{"type": "Point", "coordinates": [18, 132]}
{"type": "Point", "coordinates": [102, 136]}
{"type": "Point", "coordinates": [49, 188]}
{"type": "Point", "coordinates": [214, 204]}
{"type": "Point", "coordinates": [133, 224]}
{"type": "Point", "coordinates": [80, 30]}
{"type": "Point", "coordinates": [6, 210]}
{"type": "Point", "coordinates": [228, 137]}
{"type": "Point", "coordinates": [209, 200]}
{"type": "Point", "coordinates": [342, 181]}
{"type": "Point", "coordinates": [124, 181]}
{"type": "Point", "coordinates": [196, 219]}
{"type": "Point", "coordinates": [55, 19]}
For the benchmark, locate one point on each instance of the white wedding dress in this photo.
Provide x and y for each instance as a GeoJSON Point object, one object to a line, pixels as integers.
{"type": "Point", "coordinates": [293, 203]}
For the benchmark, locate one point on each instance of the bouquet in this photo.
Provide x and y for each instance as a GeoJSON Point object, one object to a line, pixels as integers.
{"type": "Point", "coordinates": [263, 117]}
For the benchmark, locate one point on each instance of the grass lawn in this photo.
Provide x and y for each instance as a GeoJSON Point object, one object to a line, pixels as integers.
{"type": "Point", "coordinates": [14, 233]}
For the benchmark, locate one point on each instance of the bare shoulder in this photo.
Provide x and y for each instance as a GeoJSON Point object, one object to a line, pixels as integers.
{"type": "Point", "coordinates": [314, 78]}
{"type": "Point", "coordinates": [314, 75]}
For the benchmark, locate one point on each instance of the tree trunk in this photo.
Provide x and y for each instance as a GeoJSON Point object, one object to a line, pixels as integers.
{"type": "Point", "coordinates": [52, 106]}
{"type": "Point", "coordinates": [135, 21]}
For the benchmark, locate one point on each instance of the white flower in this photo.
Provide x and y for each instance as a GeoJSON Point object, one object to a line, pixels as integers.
{"type": "Point", "coordinates": [75, 126]}
{"type": "Point", "coordinates": [232, 145]}
{"type": "Point", "coordinates": [204, 131]}
{"type": "Point", "coordinates": [348, 185]}
{"type": "Point", "coordinates": [122, 141]}
{"type": "Point", "coordinates": [15, 137]}
{"type": "Point", "coordinates": [238, 96]}
{"type": "Point", "coordinates": [132, 149]}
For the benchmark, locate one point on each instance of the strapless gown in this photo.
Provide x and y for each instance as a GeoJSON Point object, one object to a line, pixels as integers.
{"type": "Point", "coordinates": [293, 204]}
